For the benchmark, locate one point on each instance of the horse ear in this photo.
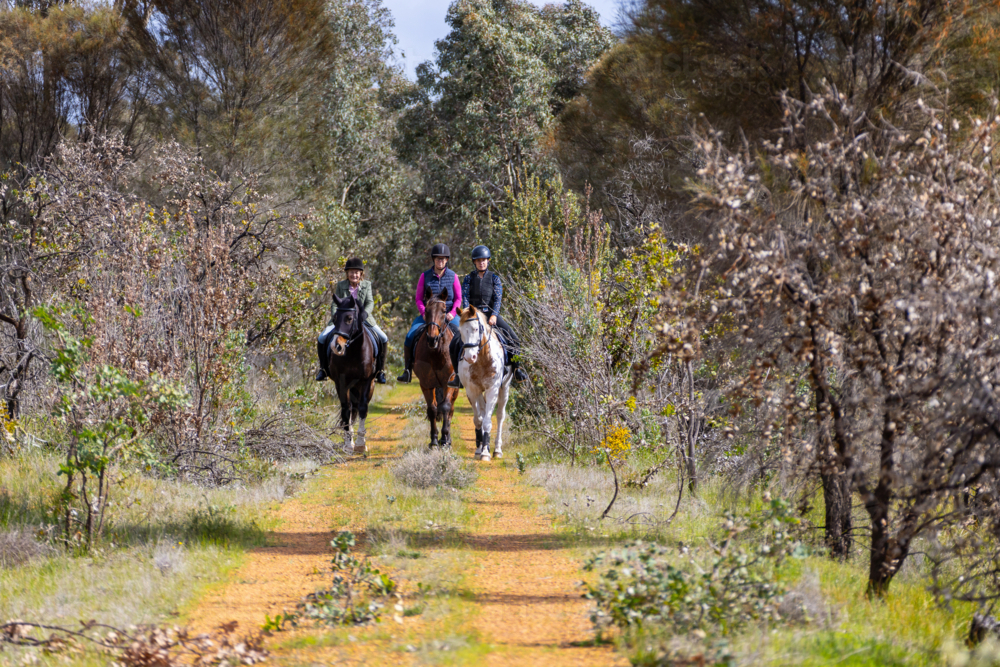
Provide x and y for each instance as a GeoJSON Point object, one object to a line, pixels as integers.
{"type": "Point", "coordinates": [461, 313]}
{"type": "Point", "coordinates": [337, 301]}
{"type": "Point", "coordinates": [427, 293]}
{"type": "Point", "coordinates": [444, 294]}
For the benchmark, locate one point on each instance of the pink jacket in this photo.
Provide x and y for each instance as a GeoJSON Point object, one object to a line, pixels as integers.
{"type": "Point", "coordinates": [420, 295]}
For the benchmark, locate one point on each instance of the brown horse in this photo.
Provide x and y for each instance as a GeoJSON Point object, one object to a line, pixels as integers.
{"type": "Point", "coordinates": [432, 365]}
{"type": "Point", "coordinates": [351, 365]}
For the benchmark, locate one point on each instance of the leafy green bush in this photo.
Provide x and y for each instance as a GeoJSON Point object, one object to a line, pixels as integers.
{"type": "Point", "coordinates": [104, 414]}
{"type": "Point", "coordinates": [356, 596]}
{"type": "Point", "coordinates": [640, 587]}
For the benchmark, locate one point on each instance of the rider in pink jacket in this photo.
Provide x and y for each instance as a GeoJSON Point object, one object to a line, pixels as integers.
{"type": "Point", "coordinates": [438, 278]}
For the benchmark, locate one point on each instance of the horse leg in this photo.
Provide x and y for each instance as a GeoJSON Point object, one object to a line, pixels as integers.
{"type": "Point", "coordinates": [501, 411]}
{"type": "Point", "coordinates": [432, 416]}
{"type": "Point", "coordinates": [483, 427]}
{"type": "Point", "coordinates": [472, 392]}
{"type": "Point", "coordinates": [489, 402]}
{"type": "Point", "coordinates": [445, 408]}
{"type": "Point", "coordinates": [361, 413]}
{"type": "Point", "coordinates": [345, 416]}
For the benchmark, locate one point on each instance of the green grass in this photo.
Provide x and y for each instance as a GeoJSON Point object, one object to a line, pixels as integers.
{"type": "Point", "coordinates": [908, 628]}
{"type": "Point", "coordinates": [164, 543]}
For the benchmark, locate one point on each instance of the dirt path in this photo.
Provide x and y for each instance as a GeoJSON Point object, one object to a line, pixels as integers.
{"type": "Point", "coordinates": [522, 602]}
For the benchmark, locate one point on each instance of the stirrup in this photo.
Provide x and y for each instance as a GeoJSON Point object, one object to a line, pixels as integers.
{"type": "Point", "coordinates": [455, 381]}
{"type": "Point", "coordinates": [321, 375]}
{"type": "Point", "coordinates": [380, 377]}
{"type": "Point", "coordinates": [520, 375]}
{"type": "Point", "coordinates": [406, 376]}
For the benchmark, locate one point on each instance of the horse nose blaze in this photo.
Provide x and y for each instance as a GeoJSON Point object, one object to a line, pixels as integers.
{"type": "Point", "coordinates": [339, 345]}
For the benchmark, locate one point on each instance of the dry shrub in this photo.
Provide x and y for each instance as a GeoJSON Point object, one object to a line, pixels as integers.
{"type": "Point", "coordinates": [18, 546]}
{"type": "Point", "coordinates": [146, 646]}
{"type": "Point", "coordinates": [188, 286]}
{"type": "Point", "coordinates": [858, 263]}
{"type": "Point", "coordinates": [424, 469]}
{"type": "Point", "coordinates": [805, 603]}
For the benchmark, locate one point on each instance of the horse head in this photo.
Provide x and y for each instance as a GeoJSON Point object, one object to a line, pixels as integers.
{"type": "Point", "coordinates": [434, 313]}
{"type": "Point", "coordinates": [346, 324]}
{"type": "Point", "coordinates": [473, 333]}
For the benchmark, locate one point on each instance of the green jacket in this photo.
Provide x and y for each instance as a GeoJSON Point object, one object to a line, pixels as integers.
{"type": "Point", "coordinates": [343, 290]}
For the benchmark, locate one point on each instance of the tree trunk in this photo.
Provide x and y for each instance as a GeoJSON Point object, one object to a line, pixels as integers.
{"type": "Point", "coordinates": [888, 553]}
{"type": "Point", "coordinates": [837, 499]}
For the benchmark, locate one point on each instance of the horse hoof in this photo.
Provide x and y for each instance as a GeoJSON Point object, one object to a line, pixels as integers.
{"type": "Point", "coordinates": [498, 455]}
{"type": "Point", "coordinates": [485, 456]}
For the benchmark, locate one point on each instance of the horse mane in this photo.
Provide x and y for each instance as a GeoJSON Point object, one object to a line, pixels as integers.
{"type": "Point", "coordinates": [469, 313]}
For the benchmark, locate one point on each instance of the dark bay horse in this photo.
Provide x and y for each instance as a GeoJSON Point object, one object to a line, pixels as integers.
{"type": "Point", "coordinates": [432, 365]}
{"type": "Point", "coordinates": [352, 368]}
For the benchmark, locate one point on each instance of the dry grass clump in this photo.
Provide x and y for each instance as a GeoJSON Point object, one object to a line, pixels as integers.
{"type": "Point", "coordinates": [422, 469]}
{"type": "Point", "coordinates": [18, 546]}
{"type": "Point", "coordinates": [805, 603]}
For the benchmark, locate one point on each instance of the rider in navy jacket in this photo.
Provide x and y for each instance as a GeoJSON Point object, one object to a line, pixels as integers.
{"type": "Point", "coordinates": [482, 288]}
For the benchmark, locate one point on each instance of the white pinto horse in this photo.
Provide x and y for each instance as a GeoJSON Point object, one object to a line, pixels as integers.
{"type": "Point", "coordinates": [486, 379]}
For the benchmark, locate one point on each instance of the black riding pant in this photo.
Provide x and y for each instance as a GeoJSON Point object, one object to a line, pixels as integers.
{"type": "Point", "coordinates": [507, 337]}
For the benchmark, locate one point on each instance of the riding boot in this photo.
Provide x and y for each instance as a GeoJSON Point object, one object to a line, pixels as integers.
{"type": "Point", "coordinates": [321, 373]}
{"type": "Point", "coordinates": [407, 365]}
{"type": "Point", "coordinates": [380, 363]}
{"type": "Point", "coordinates": [455, 351]}
{"type": "Point", "coordinates": [519, 373]}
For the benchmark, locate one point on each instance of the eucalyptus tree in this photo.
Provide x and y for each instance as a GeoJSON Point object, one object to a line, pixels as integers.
{"type": "Point", "coordinates": [358, 183]}
{"type": "Point", "coordinates": [476, 122]}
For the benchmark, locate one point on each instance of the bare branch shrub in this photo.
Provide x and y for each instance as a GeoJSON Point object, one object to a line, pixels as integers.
{"type": "Point", "coordinates": [183, 290]}
{"type": "Point", "coordinates": [858, 261]}
{"type": "Point", "coordinates": [18, 546]}
{"type": "Point", "coordinates": [140, 647]}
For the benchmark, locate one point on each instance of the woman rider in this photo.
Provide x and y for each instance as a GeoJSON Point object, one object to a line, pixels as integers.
{"type": "Point", "coordinates": [361, 290]}
{"type": "Point", "coordinates": [437, 278]}
{"type": "Point", "coordinates": [482, 289]}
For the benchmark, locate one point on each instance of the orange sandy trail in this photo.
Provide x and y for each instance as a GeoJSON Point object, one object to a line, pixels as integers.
{"type": "Point", "coordinates": [526, 591]}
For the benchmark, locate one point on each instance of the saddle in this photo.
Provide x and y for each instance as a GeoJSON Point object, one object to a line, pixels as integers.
{"type": "Point", "coordinates": [457, 341]}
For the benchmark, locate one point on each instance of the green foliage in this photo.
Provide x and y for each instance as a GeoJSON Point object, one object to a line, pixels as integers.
{"type": "Point", "coordinates": [522, 464]}
{"type": "Point", "coordinates": [476, 121]}
{"type": "Point", "coordinates": [364, 194]}
{"type": "Point", "coordinates": [356, 596]}
{"type": "Point", "coordinates": [632, 301]}
{"type": "Point", "coordinates": [103, 413]}
{"type": "Point", "coordinates": [641, 586]}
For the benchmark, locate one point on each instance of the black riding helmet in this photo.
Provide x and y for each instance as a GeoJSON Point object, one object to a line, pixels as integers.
{"type": "Point", "coordinates": [481, 252]}
{"type": "Point", "coordinates": [440, 250]}
{"type": "Point", "coordinates": [354, 263]}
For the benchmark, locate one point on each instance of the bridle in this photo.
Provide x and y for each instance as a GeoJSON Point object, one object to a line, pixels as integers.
{"type": "Point", "coordinates": [357, 328]}
{"type": "Point", "coordinates": [433, 340]}
{"type": "Point", "coordinates": [482, 337]}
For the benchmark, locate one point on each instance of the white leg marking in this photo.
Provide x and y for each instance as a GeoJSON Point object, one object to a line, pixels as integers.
{"type": "Point", "coordinates": [360, 445]}
{"type": "Point", "coordinates": [501, 416]}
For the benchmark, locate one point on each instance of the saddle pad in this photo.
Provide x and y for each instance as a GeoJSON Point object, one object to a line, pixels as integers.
{"type": "Point", "coordinates": [373, 338]}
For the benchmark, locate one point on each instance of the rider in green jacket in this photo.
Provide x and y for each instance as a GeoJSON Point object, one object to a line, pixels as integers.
{"type": "Point", "coordinates": [361, 290]}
